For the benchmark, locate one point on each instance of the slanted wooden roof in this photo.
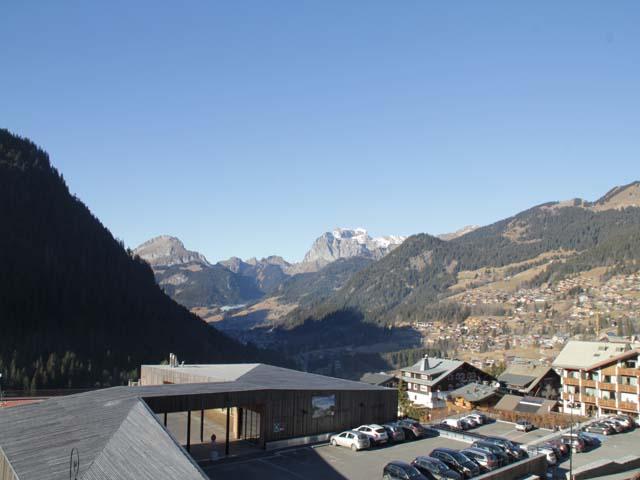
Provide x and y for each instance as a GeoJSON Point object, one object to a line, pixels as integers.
{"type": "Point", "coordinates": [117, 434]}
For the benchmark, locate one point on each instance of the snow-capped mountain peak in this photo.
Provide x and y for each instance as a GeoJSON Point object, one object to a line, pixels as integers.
{"type": "Point", "coordinates": [350, 242]}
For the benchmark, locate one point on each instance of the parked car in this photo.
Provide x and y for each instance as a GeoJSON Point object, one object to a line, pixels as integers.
{"type": "Point", "coordinates": [589, 440]}
{"type": "Point", "coordinates": [574, 442]}
{"type": "Point", "coordinates": [617, 426]}
{"type": "Point", "coordinates": [600, 428]}
{"type": "Point", "coordinates": [376, 433]}
{"type": "Point", "coordinates": [499, 452]}
{"type": "Point", "coordinates": [454, 423]}
{"type": "Point", "coordinates": [630, 421]}
{"type": "Point", "coordinates": [398, 470]}
{"type": "Point", "coordinates": [481, 418]}
{"type": "Point", "coordinates": [550, 453]}
{"type": "Point", "coordinates": [471, 421]}
{"type": "Point", "coordinates": [351, 439]}
{"type": "Point", "coordinates": [412, 429]}
{"type": "Point", "coordinates": [456, 461]}
{"type": "Point", "coordinates": [487, 461]}
{"type": "Point", "coordinates": [562, 448]}
{"type": "Point", "coordinates": [524, 426]}
{"type": "Point", "coordinates": [394, 432]}
{"type": "Point", "coordinates": [553, 446]}
{"type": "Point", "coordinates": [508, 446]}
{"type": "Point", "coordinates": [435, 469]}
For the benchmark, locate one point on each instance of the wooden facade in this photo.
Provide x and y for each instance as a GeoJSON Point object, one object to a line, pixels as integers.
{"type": "Point", "coordinates": [6, 471]}
{"type": "Point", "coordinates": [284, 413]}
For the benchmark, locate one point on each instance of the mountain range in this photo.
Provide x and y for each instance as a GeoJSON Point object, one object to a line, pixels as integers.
{"type": "Point", "coordinates": [190, 279]}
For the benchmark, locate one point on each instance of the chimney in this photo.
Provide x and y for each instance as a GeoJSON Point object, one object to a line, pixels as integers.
{"type": "Point", "coordinates": [425, 363]}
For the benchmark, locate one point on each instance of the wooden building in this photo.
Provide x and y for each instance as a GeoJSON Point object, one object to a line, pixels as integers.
{"type": "Point", "coordinates": [119, 433]}
{"type": "Point", "coordinates": [430, 381]}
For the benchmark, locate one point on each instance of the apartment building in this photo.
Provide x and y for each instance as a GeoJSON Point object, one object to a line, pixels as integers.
{"type": "Point", "coordinates": [600, 378]}
{"type": "Point", "coordinates": [431, 380]}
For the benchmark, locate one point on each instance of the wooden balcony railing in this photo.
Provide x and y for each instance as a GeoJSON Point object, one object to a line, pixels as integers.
{"type": "Point", "coordinates": [587, 399]}
{"type": "Point", "coordinates": [603, 402]}
{"type": "Point", "coordinates": [630, 406]}
{"type": "Point", "coordinates": [631, 372]}
{"type": "Point", "coordinates": [609, 371]}
{"type": "Point", "coordinates": [571, 381]}
{"type": "Point", "coordinates": [607, 386]}
{"type": "Point", "coordinates": [628, 388]}
{"type": "Point", "coordinates": [589, 383]}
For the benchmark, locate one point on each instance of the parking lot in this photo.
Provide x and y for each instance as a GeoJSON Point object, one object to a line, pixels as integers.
{"type": "Point", "coordinates": [327, 462]}
{"type": "Point", "coordinates": [508, 430]}
{"type": "Point", "coordinates": [339, 463]}
{"type": "Point", "coordinates": [612, 447]}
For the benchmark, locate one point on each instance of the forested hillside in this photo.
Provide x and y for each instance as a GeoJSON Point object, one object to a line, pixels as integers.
{"type": "Point", "coordinates": [406, 284]}
{"type": "Point", "coordinates": [76, 308]}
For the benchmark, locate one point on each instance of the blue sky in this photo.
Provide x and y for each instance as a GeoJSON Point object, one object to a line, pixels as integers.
{"type": "Point", "coordinates": [249, 127]}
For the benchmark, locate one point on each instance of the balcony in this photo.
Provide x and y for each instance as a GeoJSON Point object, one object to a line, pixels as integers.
{"type": "Point", "coordinates": [630, 406]}
{"type": "Point", "coordinates": [609, 371]}
{"type": "Point", "coordinates": [587, 399]}
{"type": "Point", "coordinates": [571, 381]}
{"type": "Point", "coordinates": [607, 386]}
{"type": "Point", "coordinates": [631, 372]}
{"type": "Point", "coordinates": [589, 383]}
{"type": "Point", "coordinates": [603, 402]}
{"type": "Point", "coordinates": [628, 388]}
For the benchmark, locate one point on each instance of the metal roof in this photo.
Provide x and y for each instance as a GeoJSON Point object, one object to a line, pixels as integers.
{"type": "Point", "coordinates": [474, 392]}
{"type": "Point", "coordinates": [376, 378]}
{"type": "Point", "coordinates": [516, 380]}
{"type": "Point", "coordinates": [438, 368]}
{"type": "Point", "coordinates": [116, 433]}
{"type": "Point", "coordinates": [515, 403]}
{"type": "Point", "coordinates": [583, 355]}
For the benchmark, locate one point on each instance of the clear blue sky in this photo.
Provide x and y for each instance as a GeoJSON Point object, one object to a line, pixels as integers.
{"type": "Point", "coordinates": [250, 127]}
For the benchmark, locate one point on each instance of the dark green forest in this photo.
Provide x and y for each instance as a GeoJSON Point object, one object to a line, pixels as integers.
{"type": "Point", "coordinates": [77, 310]}
{"type": "Point", "coordinates": [212, 285]}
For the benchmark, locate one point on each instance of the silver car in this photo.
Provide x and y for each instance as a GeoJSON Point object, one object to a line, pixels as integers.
{"type": "Point", "coordinates": [350, 439]}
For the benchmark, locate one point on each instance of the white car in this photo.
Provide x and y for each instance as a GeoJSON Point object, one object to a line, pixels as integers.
{"type": "Point", "coordinates": [478, 417]}
{"type": "Point", "coordinates": [524, 426]}
{"type": "Point", "coordinates": [376, 433]}
{"type": "Point", "coordinates": [350, 439]}
{"type": "Point", "coordinates": [550, 454]}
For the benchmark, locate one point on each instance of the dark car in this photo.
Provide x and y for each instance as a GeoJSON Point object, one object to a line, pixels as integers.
{"type": "Point", "coordinates": [435, 469]}
{"type": "Point", "coordinates": [513, 450]}
{"type": "Point", "coordinates": [600, 428]}
{"type": "Point", "coordinates": [456, 461]}
{"type": "Point", "coordinates": [499, 452]}
{"type": "Point", "coordinates": [574, 442]}
{"type": "Point", "coordinates": [487, 461]}
{"type": "Point", "coordinates": [590, 441]}
{"type": "Point", "coordinates": [394, 431]}
{"type": "Point", "coordinates": [398, 470]}
{"type": "Point", "coordinates": [562, 448]}
{"type": "Point", "coordinates": [412, 429]}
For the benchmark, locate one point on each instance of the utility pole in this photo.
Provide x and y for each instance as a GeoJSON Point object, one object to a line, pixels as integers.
{"type": "Point", "coordinates": [1, 399]}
